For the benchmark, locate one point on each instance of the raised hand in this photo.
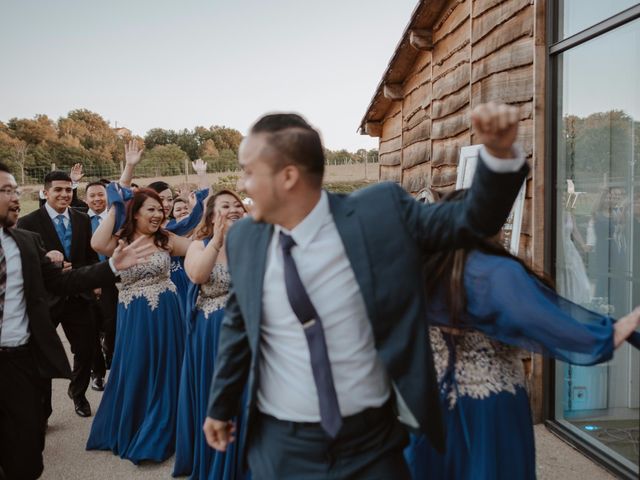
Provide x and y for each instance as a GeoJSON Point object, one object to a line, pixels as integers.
{"type": "Point", "coordinates": [219, 230]}
{"type": "Point", "coordinates": [625, 327]}
{"type": "Point", "coordinates": [496, 127]}
{"type": "Point", "coordinates": [76, 173]}
{"type": "Point", "coordinates": [192, 200]}
{"type": "Point", "coordinates": [200, 166]}
{"type": "Point", "coordinates": [127, 256]}
{"type": "Point", "coordinates": [132, 152]}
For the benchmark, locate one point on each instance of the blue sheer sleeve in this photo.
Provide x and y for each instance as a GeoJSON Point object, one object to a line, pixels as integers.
{"type": "Point", "coordinates": [117, 197]}
{"type": "Point", "coordinates": [505, 302]}
{"type": "Point", "coordinates": [187, 224]}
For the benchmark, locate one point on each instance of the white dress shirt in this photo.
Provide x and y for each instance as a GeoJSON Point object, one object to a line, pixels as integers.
{"type": "Point", "coordinates": [15, 323]}
{"type": "Point", "coordinates": [287, 389]}
{"type": "Point", "coordinates": [102, 215]}
{"type": "Point", "coordinates": [53, 214]}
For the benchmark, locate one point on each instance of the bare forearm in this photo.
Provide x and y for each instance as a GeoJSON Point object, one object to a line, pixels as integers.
{"type": "Point", "coordinates": [103, 240]}
{"type": "Point", "coordinates": [127, 175]}
{"type": "Point", "coordinates": [199, 263]}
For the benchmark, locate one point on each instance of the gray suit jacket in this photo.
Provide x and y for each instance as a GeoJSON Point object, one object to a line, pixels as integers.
{"type": "Point", "coordinates": [386, 234]}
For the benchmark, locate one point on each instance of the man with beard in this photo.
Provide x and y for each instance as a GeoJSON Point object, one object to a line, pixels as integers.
{"type": "Point", "coordinates": [30, 350]}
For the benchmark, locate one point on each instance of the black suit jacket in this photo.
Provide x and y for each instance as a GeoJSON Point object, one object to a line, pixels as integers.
{"type": "Point", "coordinates": [386, 235]}
{"type": "Point", "coordinates": [82, 254]}
{"type": "Point", "coordinates": [40, 276]}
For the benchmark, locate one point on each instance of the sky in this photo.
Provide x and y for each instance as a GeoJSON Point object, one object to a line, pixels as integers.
{"type": "Point", "coordinates": [179, 64]}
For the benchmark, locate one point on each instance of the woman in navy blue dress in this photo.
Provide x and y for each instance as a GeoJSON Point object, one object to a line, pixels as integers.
{"type": "Point", "coordinates": [205, 264]}
{"type": "Point", "coordinates": [136, 418]}
{"type": "Point", "coordinates": [182, 226]}
{"type": "Point", "coordinates": [484, 307]}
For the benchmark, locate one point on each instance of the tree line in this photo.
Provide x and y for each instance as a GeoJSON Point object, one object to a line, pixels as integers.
{"type": "Point", "coordinates": [30, 145]}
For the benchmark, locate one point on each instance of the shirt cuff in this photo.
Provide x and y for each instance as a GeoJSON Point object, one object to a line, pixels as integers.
{"type": "Point", "coordinates": [113, 268]}
{"type": "Point", "coordinates": [499, 165]}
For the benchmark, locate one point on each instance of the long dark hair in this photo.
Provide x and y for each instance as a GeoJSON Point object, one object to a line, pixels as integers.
{"type": "Point", "coordinates": [160, 237]}
{"type": "Point", "coordinates": [445, 269]}
{"type": "Point", "coordinates": [205, 227]}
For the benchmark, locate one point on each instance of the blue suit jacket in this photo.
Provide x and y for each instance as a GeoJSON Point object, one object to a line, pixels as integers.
{"type": "Point", "coordinates": [386, 235]}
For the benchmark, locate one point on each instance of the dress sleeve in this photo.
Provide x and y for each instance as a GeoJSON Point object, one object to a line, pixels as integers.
{"type": "Point", "coordinates": [514, 307]}
{"type": "Point", "coordinates": [117, 197]}
{"type": "Point", "coordinates": [187, 224]}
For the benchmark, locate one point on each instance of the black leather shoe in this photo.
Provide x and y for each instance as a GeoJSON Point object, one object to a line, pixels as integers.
{"type": "Point", "coordinates": [82, 406]}
{"type": "Point", "coordinates": [97, 384]}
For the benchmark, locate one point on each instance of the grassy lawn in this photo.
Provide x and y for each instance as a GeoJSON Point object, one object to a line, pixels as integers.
{"type": "Point", "coordinates": [27, 206]}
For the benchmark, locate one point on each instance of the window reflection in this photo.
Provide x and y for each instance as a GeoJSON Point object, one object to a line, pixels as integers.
{"type": "Point", "coordinates": [576, 15]}
{"type": "Point", "coordinates": [598, 229]}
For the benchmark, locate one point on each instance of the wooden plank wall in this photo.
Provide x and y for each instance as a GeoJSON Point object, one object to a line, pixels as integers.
{"type": "Point", "coordinates": [391, 145]}
{"type": "Point", "coordinates": [502, 71]}
{"type": "Point", "coordinates": [483, 50]}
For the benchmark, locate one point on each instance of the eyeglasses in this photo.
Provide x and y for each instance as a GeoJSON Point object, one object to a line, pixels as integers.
{"type": "Point", "coordinates": [10, 192]}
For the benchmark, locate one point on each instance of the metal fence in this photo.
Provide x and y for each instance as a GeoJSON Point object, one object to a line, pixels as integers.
{"type": "Point", "coordinates": [182, 173]}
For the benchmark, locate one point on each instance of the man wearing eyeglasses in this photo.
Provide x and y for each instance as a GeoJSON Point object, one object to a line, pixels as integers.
{"type": "Point", "coordinates": [30, 350]}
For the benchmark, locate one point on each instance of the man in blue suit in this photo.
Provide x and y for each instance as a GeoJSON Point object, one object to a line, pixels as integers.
{"type": "Point", "coordinates": [325, 323]}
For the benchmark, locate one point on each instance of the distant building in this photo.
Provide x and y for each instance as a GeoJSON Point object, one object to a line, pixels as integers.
{"type": "Point", "coordinates": [122, 132]}
{"type": "Point", "coordinates": [573, 66]}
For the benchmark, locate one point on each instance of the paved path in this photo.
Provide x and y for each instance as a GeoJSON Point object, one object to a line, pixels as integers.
{"type": "Point", "coordinates": [66, 459]}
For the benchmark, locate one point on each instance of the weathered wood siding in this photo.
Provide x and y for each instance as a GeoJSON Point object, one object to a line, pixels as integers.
{"type": "Point", "coordinates": [483, 50]}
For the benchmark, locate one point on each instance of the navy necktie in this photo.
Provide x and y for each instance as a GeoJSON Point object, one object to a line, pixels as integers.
{"type": "Point", "coordinates": [64, 234]}
{"type": "Point", "coordinates": [3, 284]}
{"type": "Point", "coordinates": [330, 418]}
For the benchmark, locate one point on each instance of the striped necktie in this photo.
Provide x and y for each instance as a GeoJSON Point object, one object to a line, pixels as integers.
{"type": "Point", "coordinates": [3, 283]}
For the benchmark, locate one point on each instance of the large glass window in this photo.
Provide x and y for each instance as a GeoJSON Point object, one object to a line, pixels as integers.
{"type": "Point", "coordinates": [598, 228]}
{"type": "Point", "coordinates": [576, 15]}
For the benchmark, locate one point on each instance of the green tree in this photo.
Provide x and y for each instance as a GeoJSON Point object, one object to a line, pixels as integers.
{"type": "Point", "coordinates": [226, 162]}
{"type": "Point", "coordinates": [188, 142]}
{"type": "Point", "coordinates": [208, 151]}
{"type": "Point", "coordinates": [159, 136]}
{"type": "Point", "coordinates": [162, 160]}
{"type": "Point", "coordinates": [41, 130]}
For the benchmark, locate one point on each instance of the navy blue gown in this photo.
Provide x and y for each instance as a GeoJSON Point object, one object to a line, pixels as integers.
{"type": "Point", "coordinates": [193, 456]}
{"type": "Point", "coordinates": [181, 281]}
{"type": "Point", "coordinates": [482, 383]}
{"type": "Point", "coordinates": [136, 418]}
{"type": "Point", "coordinates": [184, 228]}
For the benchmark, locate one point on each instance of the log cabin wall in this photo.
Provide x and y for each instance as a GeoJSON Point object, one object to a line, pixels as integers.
{"type": "Point", "coordinates": [467, 52]}
{"type": "Point", "coordinates": [390, 150]}
{"type": "Point", "coordinates": [480, 51]}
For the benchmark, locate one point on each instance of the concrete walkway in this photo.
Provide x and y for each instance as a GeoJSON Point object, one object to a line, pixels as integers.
{"type": "Point", "coordinates": [65, 457]}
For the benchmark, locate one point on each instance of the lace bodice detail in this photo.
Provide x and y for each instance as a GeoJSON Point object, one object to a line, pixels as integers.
{"type": "Point", "coordinates": [483, 366]}
{"type": "Point", "coordinates": [147, 280]}
{"type": "Point", "coordinates": [213, 294]}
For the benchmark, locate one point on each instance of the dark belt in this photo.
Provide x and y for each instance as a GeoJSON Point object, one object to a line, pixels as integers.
{"type": "Point", "coordinates": [362, 419]}
{"type": "Point", "coordinates": [20, 349]}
